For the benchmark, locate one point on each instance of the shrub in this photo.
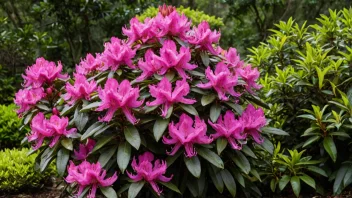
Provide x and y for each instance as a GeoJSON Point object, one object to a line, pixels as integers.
{"type": "Point", "coordinates": [307, 83]}
{"type": "Point", "coordinates": [165, 101]}
{"type": "Point", "coordinates": [10, 132]}
{"type": "Point", "coordinates": [7, 88]}
{"type": "Point", "coordinates": [17, 171]}
{"type": "Point", "coordinates": [195, 16]}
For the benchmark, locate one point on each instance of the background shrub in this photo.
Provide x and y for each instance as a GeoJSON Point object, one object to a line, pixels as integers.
{"type": "Point", "coordinates": [7, 86]}
{"type": "Point", "coordinates": [10, 133]}
{"type": "Point", "coordinates": [307, 83]}
{"type": "Point", "coordinates": [17, 171]}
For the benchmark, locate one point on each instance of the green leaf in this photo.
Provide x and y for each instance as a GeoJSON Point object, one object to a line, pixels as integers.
{"type": "Point", "coordinates": [43, 107]}
{"type": "Point", "coordinates": [171, 159]}
{"type": "Point", "coordinates": [134, 189]}
{"type": "Point", "coordinates": [284, 181]}
{"type": "Point", "coordinates": [296, 185]}
{"type": "Point", "coordinates": [210, 156]}
{"type": "Point", "coordinates": [229, 181]}
{"type": "Point", "coordinates": [273, 185]}
{"type": "Point", "coordinates": [215, 111]}
{"type": "Point", "coordinates": [339, 178]}
{"type": "Point", "coordinates": [216, 178]}
{"type": "Point", "coordinates": [90, 106]}
{"type": "Point", "coordinates": [123, 189]}
{"type": "Point", "coordinates": [62, 159]}
{"type": "Point", "coordinates": [92, 129]}
{"type": "Point", "coordinates": [80, 119]}
{"type": "Point", "coordinates": [101, 130]}
{"type": "Point", "coordinates": [67, 109]}
{"type": "Point", "coordinates": [267, 145]}
{"type": "Point", "coordinates": [238, 108]}
{"type": "Point", "coordinates": [109, 192]}
{"type": "Point", "coordinates": [67, 143]}
{"type": "Point", "coordinates": [160, 126]}
{"type": "Point", "coordinates": [106, 156]}
{"type": "Point", "coordinates": [317, 170]}
{"type": "Point", "coordinates": [275, 131]}
{"type": "Point", "coordinates": [330, 148]}
{"type": "Point", "coordinates": [170, 186]}
{"type": "Point", "coordinates": [193, 165]}
{"type": "Point", "coordinates": [221, 144]}
{"type": "Point", "coordinates": [255, 173]}
{"type": "Point", "coordinates": [101, 142]}
{"type": "Point", "coordinates": [189, 109]}
{"type": "Point", "coordinates": [123, 155]}
{"type": "Point", "coordinates": [207, 99]}
{"type": "Point", "coordinates": [205, 58]}
{"type": "Point", "coordinates": [238, 176]}
{"type": "Point", "coordinates": [241, 161]}
{"type": "Point", "coordinates": [310, 141]}
{"type": "Point", "coordinates": [132, 136]}
{"type": "Point", "coordinates": [307, 116]}
{"type": "Point", "coordinates": [308, 180]}
{"type": "Point", "coordinates": [248, 151]}
{"type": "Point", "coordinates": [85, 191]}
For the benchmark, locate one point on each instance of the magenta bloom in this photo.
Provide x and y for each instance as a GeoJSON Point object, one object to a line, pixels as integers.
{"type": "Point", "coordinates": [138, 30]}
{"type": "Point", "coordinates": [250, 76]}
{"type": "Point", "coordinates": [115, 96]}
{"type": "Point", "coordinates": [90, 64]}
{"type": "Point", "coordinates": [186, 134]}
{"type": "Point", "coordinates": [229, 128]}
{"type": "Point", "coordinates": [204, 37]}
{"type": "Point", "coordinates": [222, 80]}
{"type": "Point", "coordinates": [118, 53]}
{"type": "Point", "coordinates": [27, 98]}
{"type": "Point", "coordinates": [233, 59]}
{"type": "Point", "coordinates": [59, 127]}
{"type": "Point", "coordinates": [253, 120]}
{"type": "Point", "coordinates": [149, 66]}
{"type": "Point", "coordinates": [170, 58]}
{"type": "Point", "coordinates": [81, 89]}
{"type": "Point", "coordinates": [173, 24]}
{"type": "Point", "coordinates": [84, 150]}
{"type": "Point", "coordinates": [42, 72]}
{"type": "Point", "coordinates": [87, 174]}
{"type": "Point", "coordinates": [164, 95]}
{"type": "Point", "coordinates": [145, 170]}
{"type": "Point", "coordinates": [39, 130]}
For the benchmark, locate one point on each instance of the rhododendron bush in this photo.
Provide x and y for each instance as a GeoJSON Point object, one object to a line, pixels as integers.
{"type": "Point", "coordinates": [165, 108]}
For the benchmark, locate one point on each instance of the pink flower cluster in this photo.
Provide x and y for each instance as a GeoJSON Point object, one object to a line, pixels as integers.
{"type": "Point", "coordinates": [84, 150]}
{"type": "Point", "coordinates": [81, 89]}
{"type": "Point", "coordinates": [26, 98]}
{"type": "Point", "coordinates": [53, 129]}
{"type": "Point", "coordinates": [146, 171]}
{"type": "Point", "coordinates": [88, 175]}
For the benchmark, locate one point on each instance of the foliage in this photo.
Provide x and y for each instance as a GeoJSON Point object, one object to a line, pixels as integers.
{"type": "Point", "coordinates": [17, 171]}
{"type": "Point", "coordinates": [307, 83]}
{"type": "Point", "coordinates": [7, 89]}
{"type": "Point", "coordinates": [10, 124]}
{"type": "Point", "coordinates": [157, 84]}
{"type": "Point", "coordinates": [195, 15]}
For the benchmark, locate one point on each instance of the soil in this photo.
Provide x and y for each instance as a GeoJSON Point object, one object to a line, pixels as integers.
{"type": "Point", "coordinates": [42, 193]}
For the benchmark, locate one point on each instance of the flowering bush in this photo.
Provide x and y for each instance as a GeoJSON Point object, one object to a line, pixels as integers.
{"type": "Point", "coordinates": [166, 80]}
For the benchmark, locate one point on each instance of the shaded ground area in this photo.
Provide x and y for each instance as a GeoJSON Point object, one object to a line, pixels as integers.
{"type": "Point", "coordinates": [42, 193]}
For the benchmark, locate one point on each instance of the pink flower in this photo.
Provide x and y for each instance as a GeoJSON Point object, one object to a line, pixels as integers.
{"type": "Point", "coordinates": [223, 81]}
{"type": "Point", "coordinates": [90, 64]}
{"type": "Point", "coordinates": [173, 24]}
{"type": "Point", "coordinates": [164, 95]}
{"type": "Point", "coordinates": [170, 58]}
{"type": "Point", "coordinates": [87, 174]}
{"type": "Point", "coordinates": [145, 170]}
{"type": "Point", "coordinates": [118, 53]}
{"type": "Point", "coordinates": [233, 59]}
{"type": "Point", "coordinates": [138, 30]}
{"type": "Point", "coordinates": [27, 98]}
{"type": "Point", "coordinates": [115, 96]}
{"type": "Point", "coordinates": [59, 127]}
{"type": "Point", "coordinates": [39, 130]}
{"type": "Point", "coordinates": [253, 120]}
{"type": "Point", "coordinates": [249, 75]}
{"type": "Point", "coordinates": [186, 134]}
{"type": "Point", "coordinates": [84, 150]}
{"type": "Point", "coordinates": [229, 128]}
{"type": "Point", "coordinates": [203, 36]}
{"type": "Point", "coordinates": [149, 66]}
{"type": "Point", "coordinates": [81, 89]}
{"type": "Point", "coordinates": [166, 10]}
{"type": "Point", "coordinates": [42, 72]}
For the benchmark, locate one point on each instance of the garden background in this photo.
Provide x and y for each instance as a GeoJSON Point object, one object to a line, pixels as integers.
{"type": "Point", "coordinates": [302, 49]}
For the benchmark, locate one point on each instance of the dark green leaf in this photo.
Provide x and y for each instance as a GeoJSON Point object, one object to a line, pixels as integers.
{"type": "Point", "coordinates": [221, 144]}
{"type": "Point", "coordinates": [210, 156]}
{"type": "Point", "coordinates": [216, 178]}
{"type": "Point", "coordinates": [170, 186]}
{"type": "Point", "coordinates": [160, 126]}
{"type": "Point", "coordinates": [241, 161]}
{"type": "Point", "coordinates": [134, 189]}
{"type": "Point", "coordinates": [308, 180]}
{"type": "Point", "coordinates": [215, 111]}
{"type": "Point", "coordinates": [339, 178]}
{"type": "Point", "coordinates": [80, 119]}
{"type": "Point", "coordinates": [205, 58]}
{"type": "Point", "coordinates": [189, 109]}
{"type": "Point", "coordinates": [92, 129]}
{"type": "Point", "coordinates": [101, 142]}
{"type": "Point", "coordinates": [132, 136]}
{"type": "Point", "coordinates": [61, 162]}
{"type": "Point", "coordinates": [273, 185]}
{"type": "Point", "coordinates": [90, 106]}
{"type": "Point", "coordinates": [229, 181]}
{"type": "Point", "coordinates": [193, 165]}
{"type": "Point", "coordinates": [273, 130]}
{"type": "Point", "coordinates": [248, 151]}
{"type": "Point", "coordinates": [310, 141]}
{"type": "Point", "coordinates": [106, 156]}
{"type": "Point", "coordinates": [317, 170]}
{"type": "Point", "coordinates": [171, 159]}
{"type": "Point", "coordinates": [207, 99]}
{"type": "Point", "coordinates": [67, 143]}
{"type": "Point", "coordinates": [330, 147]}
{"type": "Point", "coordinates": [108, 192]}
{"type": "Point", "coordinates": [296, 185]}
{"type": "Point", "coordinates": [284, 181]}
{"type": "Point", "coordinates": [123, 155]}
{"type": "Point", "coordinates": [238, 108]}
